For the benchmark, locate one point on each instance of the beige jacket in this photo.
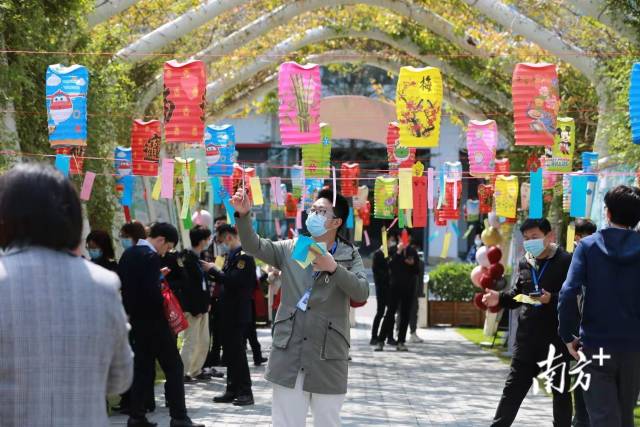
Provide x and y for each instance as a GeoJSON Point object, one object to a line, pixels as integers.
{"type": "Point", "coordinates": [315, 341]}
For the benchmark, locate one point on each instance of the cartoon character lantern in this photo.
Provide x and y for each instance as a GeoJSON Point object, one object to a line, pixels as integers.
{"type": "Point", "coordinates": [482, 140]}
{"type": "Point", "coordinates": [66, 101]}
{"type": "Point", "coordinates": [220, 148]}
{"type": "Point", "coordinates": [634, 103]}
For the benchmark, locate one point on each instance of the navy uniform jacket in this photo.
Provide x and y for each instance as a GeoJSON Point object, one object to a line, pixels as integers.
{"type": "Point", "coordinates": [238, 280]}
{"type": "Point", "coordinates": [139, 271]}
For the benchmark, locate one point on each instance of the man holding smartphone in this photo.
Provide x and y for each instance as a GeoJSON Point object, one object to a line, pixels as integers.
{"type": "Point", "coordinates": [541, 273]}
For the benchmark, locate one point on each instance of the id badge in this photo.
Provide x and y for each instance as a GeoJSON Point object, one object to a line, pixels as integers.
{"type": "Point", "coordinates": [302, 304]}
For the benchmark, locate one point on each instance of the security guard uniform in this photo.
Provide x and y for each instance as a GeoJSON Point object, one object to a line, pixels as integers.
{"type": "Point", "coordinates": [238, 280]}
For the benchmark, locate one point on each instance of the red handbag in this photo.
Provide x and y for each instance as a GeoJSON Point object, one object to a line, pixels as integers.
{"type": "Point", "coordinates": [356, 304]}
{"type": "Point", "coordinates": [172, 310]}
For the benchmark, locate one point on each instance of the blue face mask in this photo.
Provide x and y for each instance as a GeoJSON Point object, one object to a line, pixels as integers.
{"type": "Point", "coordinates": [126, 242]}
{"type": "Point", "coordinates": [224, 248]}
{"type": "Point", "coordinates": [316, 224]}
{"type": "Point", "coordinates": [534, 246]}
{"type": "Point", "coordinates": [95, 253]}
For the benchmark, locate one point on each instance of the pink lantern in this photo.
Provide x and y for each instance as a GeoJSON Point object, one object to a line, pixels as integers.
{"type": "Point", "coordinates": [482, 140]}
{"type": "Point", "coordinates": [535, 103]}
{"type": "Point", "coordinates": [184, 101]}
{"type": "Point", "coordinates": [299, 91]}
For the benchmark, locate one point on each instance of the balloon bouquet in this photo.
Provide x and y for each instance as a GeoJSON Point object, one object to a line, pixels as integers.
{"type": "Point", "coordinates": [489, 273]}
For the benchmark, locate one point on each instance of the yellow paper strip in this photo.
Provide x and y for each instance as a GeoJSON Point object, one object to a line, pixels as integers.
{"type": "Point", "coordinates": [385, 249]}
{"type": "Point", "coordinates": [408, 216]}
{"type": "Point", "coordinates": [157, 187]}
{"type": "Point", "coordinates": [358, 230]}
{"type": "Point", "coordinates": [256, 191]}
{"type": "Point", "coordinates": [445, 245]}
{"type": "Point", "coordinates": [405, 196]}
{"type": "Point", "coordinates": [571, 237]}
{"type": "Point", "coordinates": [219, 262]}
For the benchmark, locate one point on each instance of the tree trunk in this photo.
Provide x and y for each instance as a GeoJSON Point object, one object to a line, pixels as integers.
{"type": "Point", "coordinates": [9, 139]}
{"type": "Point", "coordinates": [105, 9]}
{"type": "Point", "coordinates": [598, 11]}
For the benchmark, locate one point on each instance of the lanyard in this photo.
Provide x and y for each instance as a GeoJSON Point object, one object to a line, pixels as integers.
{"type": "Point", "coordinates": [331, 251]}
{"type": "Point", "coordinates": [537, 277]}
{"type": "Point", "coordinates": [304, 300]}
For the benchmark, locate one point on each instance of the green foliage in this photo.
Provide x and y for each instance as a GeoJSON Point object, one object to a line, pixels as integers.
{"type": "Point", "coordinates": [451, 281]}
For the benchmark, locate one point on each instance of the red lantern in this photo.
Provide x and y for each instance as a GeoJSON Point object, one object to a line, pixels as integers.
{"type": "Point", "coordinates": [477, 301]}
{"type": "Point", "coordinates": [365, 214]}
{"type": "Point", "coordinates": [494, 254]}
{"type": "Point", "coordinates": [184, 101]}
{"type": "Point", "coordinates": [399, 156]}
{"type": "Point", "coordinates": [449, 209]}
{"type": "Point", "coordinates": [290, 206]}
{"type": "Point", "coordinates": [349, 173]}
{"type": "Point", "coordinates": [145, 147]}
{"type": "Point", "coordinates": [438, 218]}
{"type": "Point", "coordinates": [237, 176]}
{"type": "Point", "coordinates": [419, 201]}
{"type": "Point", "coordinates": [77, 157]}
{"type": "Point", "coordinates": [485, 196]}
{"type": "Point", "coordinates": [535, 103]}
{"type": "Point", "coordinates": [496, 271]}
{"type": "Point", "coordinates": [487, 282]}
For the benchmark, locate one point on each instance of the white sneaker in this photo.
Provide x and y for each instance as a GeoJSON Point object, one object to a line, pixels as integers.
{"type": "Point", "coordinates": [415, 339]}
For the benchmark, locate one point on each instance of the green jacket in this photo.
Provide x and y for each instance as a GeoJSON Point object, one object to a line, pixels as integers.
{"type": "Point", "coordinates": [315, 341]}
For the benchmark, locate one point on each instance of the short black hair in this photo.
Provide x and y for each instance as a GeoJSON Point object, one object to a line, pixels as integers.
{"type": "Point", "coordinates": [197, 234]}
{"type": "Point", "coordinates": [220, 218]}
{"type": "Point", "coordinates": [585, 227]}
{"type": "Point", "coordinates": [226, 229]}
{"type": "Point", "coordinates": [39, 206]}
{"type": "Point", "coordinates": [341, 209]}
{"type": "Point", "coordinates": [102, 239]}
{"type": "Point", "coordinates": [166, 230]}
{"type": "Point", "coordinates": [623, 203]}
{"type": "Point", "coordinates": [135, 230]}
{"type": "Point", "coordinates": [542, 223]}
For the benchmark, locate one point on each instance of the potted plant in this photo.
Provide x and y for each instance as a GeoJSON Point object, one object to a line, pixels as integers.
{"type": "Point", "coordinates": [451, 294]}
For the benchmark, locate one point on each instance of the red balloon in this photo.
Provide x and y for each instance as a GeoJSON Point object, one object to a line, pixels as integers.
{"type": "Point", "coordinates": [496, 270]}
{"type": "Point", "coordinates": [495, 309]}
{"type": "Point", "coordinates": [477, 301]}
{"type": "Point", "coordinates": [487, 282]}
{"type": "Point", "coordinates": [494, 254]}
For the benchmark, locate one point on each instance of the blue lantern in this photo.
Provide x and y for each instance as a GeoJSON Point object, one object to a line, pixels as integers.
{"type": "Point", "coordinates": [634, 103]}
{"type": "Point", "coordinates": [220, 148]}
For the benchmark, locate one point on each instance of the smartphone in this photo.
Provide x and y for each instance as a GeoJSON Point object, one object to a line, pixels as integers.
{"type": "Point", "coordinates": [535, 294]}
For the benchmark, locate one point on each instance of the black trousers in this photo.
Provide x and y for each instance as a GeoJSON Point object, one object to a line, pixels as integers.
{"type": "Point", "coordinates": [215, 335]}
{"type": "Point", "coordinates": [401, 296]}
{"type": "Point", "coordinates": [382, 292]}
{"type": "Point", "coordinates": [151, 342]}
{"type": "Point", "coordinates": [252, 336]}
{"type": "Point", "coordinates": [413, 316]}
{"type": "Point", "coordinates": [235, 355]}
{"type": "Point", "coordinates": [614, 388]}
{"type": "Point", "coordinates": [581, 416]}
{"type": "Point", "coordinates": [518, 384]}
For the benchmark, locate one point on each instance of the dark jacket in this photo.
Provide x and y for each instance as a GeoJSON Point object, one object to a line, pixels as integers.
{"type": "Point", "coordinates": [380, 269]}
{"type": "Point", "coordinates": [538, 325]}
{"type": "Point", "coordinates": [403, 274]}
{"type": "Point", "coordinates": [195, 287]}
{"type": "Point", "coordinates": [139, 271]}
{"type": "Point", "coordinates": [109, 264]}
{"type": "Point", "coordinates": [610, 284]}
{"type": "Point", "coordinates": [238, 280]}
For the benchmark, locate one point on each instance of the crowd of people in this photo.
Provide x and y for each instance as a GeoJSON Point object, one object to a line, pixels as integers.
{"type": "Point", "coordinates": [73, 347]}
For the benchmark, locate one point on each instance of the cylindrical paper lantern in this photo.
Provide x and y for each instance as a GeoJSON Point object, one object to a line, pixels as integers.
{"type": "Point", "coordinates": [184, 101]}
{"type": "Point", "coordinates": [419, 106]}
{"type": "Point", "coordinates": [566, 192]}
{"type": "Point", "coordinates": [472, 209]}
{"type": "Point", "coordinates": [385, 198]}
{"type": "Point", "coordinates": [365, 214]}
{"type": "Point", "coordinates": [399, 156]}
{"type": "Point", "coordinates": [503, 167]}
{"type": "Point", "coordinates": [482, 140]}
{"type": "Point", "coordinates": [535, 103]}
{"type": "Point", "coordinates": [525, 191]}
{"type": "Point", "coordinates": [362, 197]}
{"type": "Point", "coordinates": [316, 157]}
{"type": "Point", "coordinates": [66, 100]}
{"type": "Point", "coordinates": [297, 181]}
{"type": "Point", "coordinates": [589, 162]}
{"type": "Point", "coordinates": [506, 196]}
{"type": "Point", "coordinates": [145, 147]}
{"type": "Point", "coordinates": [634, 103]}
{"type": "Point", "coordinates": [290, 206]}
{"type": "Point", "coordinates": [240, 174]}
{"type": "Point", "coordinates": [438, 218]}
{"type": "Point", "coordinates": [299, 91]}
{"type": "Point", "coordinates": [122, 165]}
{"type": "Point", "coordinates": [349, 173]}
{"type": "Point", "coordinates": [220, 148]}
{"type": "Point", "coordinates": [77, 153]}
{"type": "Point", "coordinates": [559, 157]}
{"type": "Point", "coordinates": [485, 196]}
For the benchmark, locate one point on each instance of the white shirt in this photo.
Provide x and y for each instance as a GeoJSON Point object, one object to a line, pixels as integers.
{"type": "Point", "coordinates": [143, 242]}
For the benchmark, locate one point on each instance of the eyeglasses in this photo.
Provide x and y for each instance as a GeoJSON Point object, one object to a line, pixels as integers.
{"type": "Point", "coordinates": [319, 211]}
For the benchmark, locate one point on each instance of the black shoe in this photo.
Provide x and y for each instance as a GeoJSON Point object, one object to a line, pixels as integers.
{"type": "Point", "coordinates": [141, 422]}
{"type": "Point", "coordinates": [391, 341]}
{"type": "Point", "coordinates": [216, 374]}
{"type": "Point", "coordinates": [246, 400]}
{"type": "Point", "coordinates": [259, 362]}
{"type": "Point", "coordinates": [374, 341]}
{"type": "Point", "coordinates": [188, 379]}
{"type": "Point", "coordinates": [203, 377]}
{"type": "Point", "coordinates": [225, 398]}
{"type": "Point", "coordinates": [186, 422]}
{"type": "Point", "coordinates": [379, 346]}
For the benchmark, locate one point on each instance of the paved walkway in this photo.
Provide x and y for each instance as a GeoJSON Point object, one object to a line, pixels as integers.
{"type": "Point", "coordinates": [446, 381]}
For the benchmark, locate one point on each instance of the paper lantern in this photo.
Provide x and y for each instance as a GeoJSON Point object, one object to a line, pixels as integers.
{"type": "Point", "coordinates": [566, 192]}
{"type": "Point", "coordinates": [634, 103]}
{"type": "Point", "coordinates": [525, 192]}
{"type": "Point", "coordinates": [503, 167]}
{"type": "Point", "coordinates": [77, 154]}
{"type": "Point", "coordinates": [242, 174]}
{"type": "Point", "coordinates": [399, 156]}
{"type": "Point", "coordinates": [145, 147]}
{"type": "Point", "coordinates": [506, 196]}
{"type": "Point", "coordinates": [482, 140]}
{"type": "Point", "coordinates": [349, 173]}
{"type": "Point", "coordinates": [385, 198]}
{"type": "Point", "coordinates": [419, 201]}
{"type": "Point", "coordinates": [450, 208]}
{"type": "Point", "coordinates": [66, 101]}
{"type": "Point", "coordinates": [589, 162]}
{"type": "Point", "coordinates": [122, 165]}
{"type": "Point", "coordinates": [472, 209]}
{"type": "Point", "coordinates": [365, 214]}
{"type": "Point", "coordinates": [549, 179]}
{"type": "Point", "coordinates": [184, 101]}
{"type": "Point", "coordinates": [220, 149]}
{"type": "Point", "coordinates": [559, 156]}
{"type": "Point", "coordinates": [361, 198]}
{"type": "Point", "coordinates": [419, 106]}
{"type": "Point", "coordinates": [297, 181]}
{"type": "Point", "coordinates": [438, 219]}
{"type": "Point", "coordinates": [485, 197]}
{"type": "Point", "coordinates": [290, 206]}
{"type": "Point", "coordinates": [317, 157]}
{"type": "Point", "coordinates": [535, 103]}
{"type": "Point", "coordinates": [299, 93]}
